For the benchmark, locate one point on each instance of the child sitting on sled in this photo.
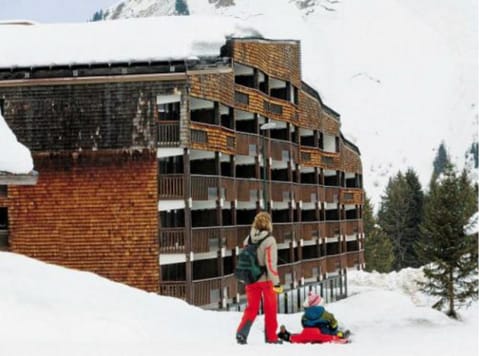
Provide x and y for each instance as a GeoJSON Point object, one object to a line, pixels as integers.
{"type": "Point", "coordinates": [316, 316]}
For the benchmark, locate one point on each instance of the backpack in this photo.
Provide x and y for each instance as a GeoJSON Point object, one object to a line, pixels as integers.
{"type": "Point", "coordinates": [247, 269]}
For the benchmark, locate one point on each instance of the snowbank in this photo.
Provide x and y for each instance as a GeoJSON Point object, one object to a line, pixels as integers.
{"type": "Point", "coordinates": [14, 157]}
{"type": "Point", "coordinates": [50, 310]}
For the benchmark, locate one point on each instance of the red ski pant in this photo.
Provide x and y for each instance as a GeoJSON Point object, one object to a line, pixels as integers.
{"type": "Point", "coordinates": [254, 292]}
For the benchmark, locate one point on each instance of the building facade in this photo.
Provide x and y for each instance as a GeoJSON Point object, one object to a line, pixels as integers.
{"type": "Point", "coordinates": [150, 173]}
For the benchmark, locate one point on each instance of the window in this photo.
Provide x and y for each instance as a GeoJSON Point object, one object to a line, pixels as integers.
{"type": "Point", "coordinates": [3, 191]}
{"type": "Point", "coordinates": [168, 107]}
{"type": "Point", "coordinates": [230, 142]}
{"type": "Point", "coordinates": [199, 136]}
{"type": "Point", "coordinates": [241, 98]}
{"type": "Point", "coordinates": [3, 218]}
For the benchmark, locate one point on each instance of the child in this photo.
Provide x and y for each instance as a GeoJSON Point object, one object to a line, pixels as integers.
{"type": "Point", "coordinates": [284, 334]}
{"type": "Point", "coordinates": [316, 316]}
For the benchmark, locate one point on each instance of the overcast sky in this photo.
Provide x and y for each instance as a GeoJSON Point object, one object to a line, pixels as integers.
{"type": "Point", "coordinates": [52, 10]}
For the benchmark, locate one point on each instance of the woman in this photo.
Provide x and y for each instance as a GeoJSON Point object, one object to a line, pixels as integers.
{"type": "Point", "coordinates": [267, 286]}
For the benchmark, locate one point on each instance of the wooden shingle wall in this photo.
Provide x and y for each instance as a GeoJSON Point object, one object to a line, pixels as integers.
{"type": "Point", "coordinates": [213, 86]}
{"type": "Point", "coordinates": [85, 116]}
{"type": "Point", "coordinates": [351, 160]}
{"type": "Point", "coordinates": [311, 112]}
{"type": "Point", "coordinates": [92, 211]}
{"type": "Point", "coordinates": [277, 59]}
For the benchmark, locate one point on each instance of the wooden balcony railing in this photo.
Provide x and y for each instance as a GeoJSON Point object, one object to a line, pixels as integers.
{"type": "Point", "coordinates": [244, 186]}
{"type": "Point", "coordinates": [205, 239]}
{"type": "Point", "coordinates": [168, 133]}
{"type": "Point", "coordinates": [331, 194]}
{"type": "Point", "coordinates": [309, 231]}
{"type": "Point", "coordinates": [333, 263]}
{"type": "Point", "coordinates": [332, 228]}
{"type": "Point", "coordinates": [229, 237]}
{"type": "Point", "coordinates": [207, 291]}
{"type": "Point", "coordinates": [229, 185]}
{"type": "Point", "coordinates": [231, 285]}
{"type": "Point", "coordinates": [350, 227]}
{"type": "Point", "coordinates": [307, 193]}
{"type": "Point", "coordinates": [311, 268]}
{"type": "Point", "coordinates": [244, 140]}
{"type": "Point", "coordinates": [200, 185]}
{"type": "Point", "coordinates": [283, 232]}
{"type": "Point", "coordinates": [353, 258]}
{"type": "Point", "coordinates": [174, 289]}
{"type": "Point", "coordinates": [171, 186]}
{"type": "Point", "coordinates": [172, 240]}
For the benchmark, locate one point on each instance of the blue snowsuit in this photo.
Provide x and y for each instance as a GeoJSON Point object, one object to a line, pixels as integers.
{"type": "Point", "coordinates": [317, 316]}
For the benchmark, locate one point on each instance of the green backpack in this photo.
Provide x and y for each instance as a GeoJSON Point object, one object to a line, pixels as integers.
{"type": "Point", "coordinates": [247, 269]}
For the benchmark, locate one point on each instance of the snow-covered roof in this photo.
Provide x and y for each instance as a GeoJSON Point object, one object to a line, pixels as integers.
{"type": "Point", "coordinates": [15, 158]}
{"type": "Point", "coordinates": [154, 39]}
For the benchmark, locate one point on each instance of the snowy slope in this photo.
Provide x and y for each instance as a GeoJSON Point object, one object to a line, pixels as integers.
{"type": "Point", "coordinates": [49, 310]}
{"type": "Point", "coordinates": [402, 73]}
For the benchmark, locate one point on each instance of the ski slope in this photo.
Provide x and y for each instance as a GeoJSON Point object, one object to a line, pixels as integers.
{"type": "Point", "coordinates": [50, 310]}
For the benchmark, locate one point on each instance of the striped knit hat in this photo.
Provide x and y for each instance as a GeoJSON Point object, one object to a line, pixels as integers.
{"type": "Point", "coordinates": [312, 300]}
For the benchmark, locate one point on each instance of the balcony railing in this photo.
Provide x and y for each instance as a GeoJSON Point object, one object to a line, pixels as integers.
{"type": "Point", "coordinates": [207, 291]}
{"type": "Point", "coordinates": [171, 186]}
{"type": "Point", "coordinates": [174, 289]}
{"type": "Point", "coordinates": [172, 240]}
{"type": "Point", "coordinates": [168, 133]}
{"type": "Point", "coordinates": [350, 227]}
{"type": "Point", "coordinates": [309, 231]}
{"type": "Point", "coordinates": [332, 228]}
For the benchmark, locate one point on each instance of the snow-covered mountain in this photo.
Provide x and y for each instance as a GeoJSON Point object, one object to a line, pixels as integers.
{"type": "Point", "coordinates": [51, 310]}
{"type": "Point", "coordinates": [403, 74]}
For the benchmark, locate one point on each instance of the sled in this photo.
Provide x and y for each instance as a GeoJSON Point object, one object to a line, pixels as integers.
{"type": "Point", "coordinates": [315, 336]}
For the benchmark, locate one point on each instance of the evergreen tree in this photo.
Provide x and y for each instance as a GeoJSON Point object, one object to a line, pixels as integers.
{"type": "Point", "coordinates": [97, 16]}
{"type": "Point", "coordinates": [452, 272]}
{"type": "Point", "coordinates": [440, 162]}
{"type": "Point", "coordinates": [378, 251]}
{"type": "Point", "coordinates": [472, 153]}
{"type": "Point", "coordinates": [181, 8]}
{"type": "Point", "coordinates": [393, 217]}
{"type": "Point", "coordinates": [414, 218]}
{"type": "Point", "coordinates": [369, 221]}
{"type": "Point", "coordinates": [378, 248]}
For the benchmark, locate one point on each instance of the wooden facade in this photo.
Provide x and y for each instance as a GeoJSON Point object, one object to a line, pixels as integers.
{"type": "Point", "coordinates": [151, 176]}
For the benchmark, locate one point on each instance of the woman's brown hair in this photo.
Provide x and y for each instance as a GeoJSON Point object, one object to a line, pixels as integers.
{"type": "Point", "coordinates": [263, 221]}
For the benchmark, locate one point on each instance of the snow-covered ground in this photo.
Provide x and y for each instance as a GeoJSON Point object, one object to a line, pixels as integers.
{"type": "Point", "coordinates": [14, 157]}
{"type": "Point", "coordinates": [50, 310]}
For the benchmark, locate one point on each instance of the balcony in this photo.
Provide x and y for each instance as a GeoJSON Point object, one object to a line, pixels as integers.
{"type": "Point", "coordinates": [332, 228]}
{"type": "Point", "coordinates": [309, 231]}
{"type": "Point", "coordinates": [168, 133]}
{"type": "Point", "coordinates": [171, 186]}
{"type": "Point", "coordinates": [350, 227]}
{"type": "Point", "coordinates": [172, 240]}
{"type": "Point", "coordinates": [174, 289]}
